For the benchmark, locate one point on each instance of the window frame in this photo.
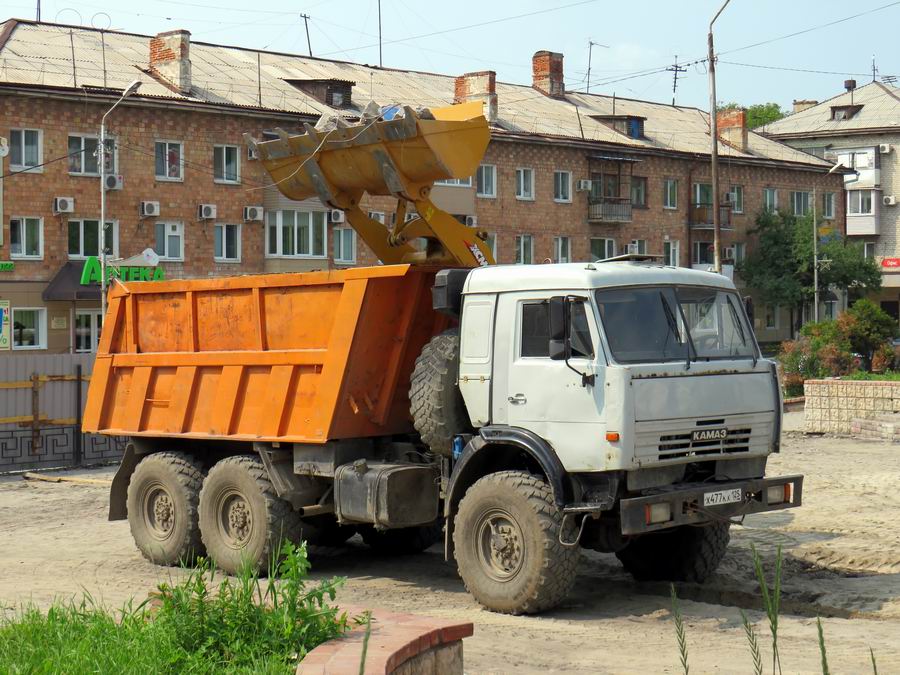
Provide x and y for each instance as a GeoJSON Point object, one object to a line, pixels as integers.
{"type": "Point", "coordinates": [642, 181]}
{"type": "Point", "coordinates": [851, 212]}
{"type": "Point", "coordinates": [42, 328]}
{"type": "Point", "coordinates": [522, 196]}
{"type": "Point", "coordinates": [95, 329]}
{"type": "Point", "coordinates": [520, 240]}
{"type": "Point", "coordinates": [279, 239]}
{"type": "Point", "coordinates": [493, 193]}
{"type": "Point", "coordinates": [237, 155]}
{"type": "Point", "coordinates": [336, 234]}
{"type": "Point", "coordinates": [695, 248]}
{"type": "Point", "coordinates": [737, 204]}
{"type": "Point", "coordinates": [774, 193]}
{"type": "Point", "coordinates": [224, 227]}
{"type": "Point", "coordinates": [26, 168]}
{"type": "Point", "coordinates": [81, 255]}
{"type": "Point", "coordinates": [794, 200]}
{"type": "Point", "coordinates": [585, 306]}
{"type": "Point", "coordinates": [568, 187]}
{"type": "Point", "coordinates": [166, 178]}
{"type": "Point", "coordinates": [829, 199]}
{"type": "Point", "coordinates": [674, 248]}
{"type": "Point", "coordinates": [557, 249]}
{"type": "Point", "coordinates": [866, 245]}
{"type": "Point", "coordinates": [113, 153]}
{"type": "Point", "coordinates": [641, 244]}
{"type": "Point", "coordinates": [25, 256]}
{"type": "Point", "coordinates": [455, 182]}
{"type": "Point", "coordinates": [606, 242]}
{"type": "Point", "coordinates": [776, 316]}
{"type": "Point", "coordinates": [670, 184]}
{"type": "Point", "coordinates": [167, 234]}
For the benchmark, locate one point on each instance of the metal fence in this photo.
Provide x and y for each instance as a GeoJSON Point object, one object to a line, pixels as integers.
{"type": "Point", "coordinates": [42, 399]}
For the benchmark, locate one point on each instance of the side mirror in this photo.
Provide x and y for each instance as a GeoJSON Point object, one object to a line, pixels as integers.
{"type": "Point", "coordinates": [559, 349]}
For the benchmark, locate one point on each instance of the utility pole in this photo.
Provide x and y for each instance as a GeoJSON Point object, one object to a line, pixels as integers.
{"type": "Point", "coordinates": [591, 45]}
{"type": "Point", "coordinates": [874, 69]}
{"type": "Point", "coordinates": [380, 63]}
{"type": "Point", "coordinates": [815, 254]}
{"type": "Point", "coordinates": [305, 18]}
{"type": "Point", "coordinates": [38, 13]}
{"type": "Point", "coordinates": [675, 69]}
{"type": "Point", "coordinates": [714, 146]}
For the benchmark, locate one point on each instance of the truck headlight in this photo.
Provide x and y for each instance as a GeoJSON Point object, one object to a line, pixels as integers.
{"type": "Point", "coordinates": [778, 494]}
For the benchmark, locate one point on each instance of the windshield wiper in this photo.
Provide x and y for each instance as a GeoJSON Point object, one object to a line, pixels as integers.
{"type": "Point", "coordinates": [737, 322]}
{"type": "Point", "coordinates": [673, 328]}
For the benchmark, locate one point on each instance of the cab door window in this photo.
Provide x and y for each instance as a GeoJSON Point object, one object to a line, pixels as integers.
{"type": "Point", "coordinates": [535, 333]}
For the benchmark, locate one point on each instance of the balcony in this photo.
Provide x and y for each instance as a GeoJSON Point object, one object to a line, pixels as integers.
{"type": "Point", "coordinates": [609, 210]}
{"type": "Point", "coordinates": [702, 217]}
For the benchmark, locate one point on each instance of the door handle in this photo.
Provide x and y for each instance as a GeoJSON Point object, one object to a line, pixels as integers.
{"type": "Point", "coordinates": [517, 399]}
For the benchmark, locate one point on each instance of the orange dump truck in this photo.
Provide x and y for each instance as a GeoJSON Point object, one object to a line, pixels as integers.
{"type": "Point", "coordinates": [523, 410]}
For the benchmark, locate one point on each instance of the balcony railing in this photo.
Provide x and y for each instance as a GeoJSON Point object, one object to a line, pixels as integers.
{"type": "Point", "coordinates": [702, 216]}
{"type": "Point", "coordinates": [609, 210]}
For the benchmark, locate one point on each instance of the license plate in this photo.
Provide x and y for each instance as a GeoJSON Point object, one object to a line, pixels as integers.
{"type": "Point", "coordinates": [723, 497]}
{"type": "Point", "coordinates": [709, 435]}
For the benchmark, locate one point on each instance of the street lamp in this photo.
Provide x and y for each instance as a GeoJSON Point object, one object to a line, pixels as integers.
{"type": "Point", "coordinates": [101, 156]}
{"type": "Point", "coordinates": [714, 148]}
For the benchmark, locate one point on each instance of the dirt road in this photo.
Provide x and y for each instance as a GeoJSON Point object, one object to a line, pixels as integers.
{"type": "Point", "coordinates": [842, 562]}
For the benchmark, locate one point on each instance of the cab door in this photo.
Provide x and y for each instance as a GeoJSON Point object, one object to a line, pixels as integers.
{"type": "Point", "coordinates": [546, 396]}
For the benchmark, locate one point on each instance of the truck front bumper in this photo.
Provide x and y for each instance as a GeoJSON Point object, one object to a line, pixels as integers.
{"type": "Point", "coordinates": [686, 504]}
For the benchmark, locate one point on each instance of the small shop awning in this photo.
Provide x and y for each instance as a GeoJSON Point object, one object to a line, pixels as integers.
{"type": "Point", "coordinates": [66, 285]}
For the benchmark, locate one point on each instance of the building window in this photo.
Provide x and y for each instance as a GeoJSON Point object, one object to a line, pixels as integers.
{"type": "Point", "coordinates": [169, 160]}
{"type": "Point", "coordinates": [828, 202]}
{"type": "Point", "coordinates": [831, 306]}
{"type": "Point", "coordinates": [296, 234]}
{"type": "Point", "coordinates": [772, 317]}
{"type": "Point", "coordinates": [491, 242]}
{"type": "Point", "coordinates": [869, 249]}
{"type": "Point", "coordinates": [170, 241]}
{"type": "Point", "coordinates": [486, 181]}
{"type": "Point", "coordinates": [87, 330]}
{"type": "Point", "coordinates": [604, 185]}
{"type": "Point", "coordinates": [736, 199]}
{"type": "Point", "coordinates": [770, 199]}
{"type": "Point", "coordinates": [26, 238]}
{"type": "Point", "coordinates": [84, 238]}
{"type": "Point", "coordinates": [859, 202]}
{"type": "Point", "coordinates": [857, 159]}
{"type": "Point", "coordinates": [29, 328]}
{"type": "Point", "coordinates": [800, 203]}
{"type": "Point", "coordinates": [84, 158]}
{"type": "Point", "coordinates": [344, 245]}
{"type": "Point", "coordinates": [702, 194]}
{"type": "Point", "coordinates": [562, 186]}
{"type": "Point", "coordinates": [226, 164]}
{"type": "Point", "coordinates": [740, 251]}
{"type": "Point", "coordinates": [25, 151]}
{"type": "Point", "coordinates": [670, 193]}
{"type": "Point", "coordinates": [671, 253]}
{"type": "Point", "coordinates": [455, 182]}
{"type": "Point", "coordinates": [602, 248]}
{"type": "Point", "coordinates": [524, 249]}
{"type": "Point", "coordinates": [562, 250]}
{"type": "Point", "coordinates": [703, 253]}
{"type": "Point", "coordinates": [525, 184]}
{"type": "Point", "coordinates": [227, 243]}
{"type": "Point", "coordinates": [638, 191]}
{"type": "Point", "coordinates": [638, 246]}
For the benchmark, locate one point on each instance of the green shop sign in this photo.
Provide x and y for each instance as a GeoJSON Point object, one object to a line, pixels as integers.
{"type": "Point", "coordinates": [91, 273]}
{"type": "Point", "coordinates": [7, 265]}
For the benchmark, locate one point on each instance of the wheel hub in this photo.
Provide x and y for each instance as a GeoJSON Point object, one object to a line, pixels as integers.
{"type": "Point", "coordinates": [501, 545]}
{"type": "Point", "coordinates": [159, 512]}
{"type": "Point", "coordinates": [236, 519]}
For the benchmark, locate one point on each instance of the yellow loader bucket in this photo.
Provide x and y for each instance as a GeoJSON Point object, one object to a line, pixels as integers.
{"type": "Point", "coordinates": [401, 156]}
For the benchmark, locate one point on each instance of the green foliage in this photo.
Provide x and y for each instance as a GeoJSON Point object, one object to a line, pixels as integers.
{"type": "Point", "coordinates": [754, 645]}
{"type": "Point", "coordinates": [241, 625]}
{"type": "Point", "coordinates": [771, 601]}
{"type": "Point", "coordinates": [680, 634]}
{"type": "Point", "coordinates": [822, 350]}
{"type": "Point", "coordinates": [868, 327]}
{"type": "Point", "coordinates": [822, 651]}
{"type": "Point", "coordinates": [890, 375]}
{"type": "Point", "coordinates": [760, 114]}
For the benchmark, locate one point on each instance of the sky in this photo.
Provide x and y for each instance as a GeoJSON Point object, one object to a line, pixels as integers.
{"type": "Point", "coordinates": [639, 39]}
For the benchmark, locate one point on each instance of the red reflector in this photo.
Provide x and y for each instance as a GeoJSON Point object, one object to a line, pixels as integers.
{"type": "Point", "coordinates": [612, 436]}
{"type": "Point", "coordinates": [787, 493]}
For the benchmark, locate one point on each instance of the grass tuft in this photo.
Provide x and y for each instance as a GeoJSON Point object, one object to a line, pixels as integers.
{"type": "Point", "coordinates": [754, 645]}
{"type": "Point", "coordinates": [825, 670]}
{"type": "Point", "coordinates": [771, 601]}
{"type": "Point", "coordinates": [680, 634]}
{"type": "Point", "coordinates": [874, 665]}
{"type": "Point", "coordinates": [242, 624]}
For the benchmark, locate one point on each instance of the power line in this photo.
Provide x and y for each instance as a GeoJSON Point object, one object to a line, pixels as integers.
{"type": "Point", "coordinates": [675, 69]}
{"type": "Point", "coordinates": [795, 70]}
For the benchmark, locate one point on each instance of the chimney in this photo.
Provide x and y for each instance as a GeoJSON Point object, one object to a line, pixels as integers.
{"type": "Point", "coordinates": [547, 74]}
{"type": "Point", "coordinates": [732, 123]}
{"type": "Point", "coordinates": [480, 86]}
{"type": "Point", "coordinates": [803, 104]}
{"type": "Point", "coordinates": [170, 58]}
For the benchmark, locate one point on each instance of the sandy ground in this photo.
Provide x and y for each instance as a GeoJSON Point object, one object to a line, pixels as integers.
{"type": "Point", "coordinates": [842, 562]}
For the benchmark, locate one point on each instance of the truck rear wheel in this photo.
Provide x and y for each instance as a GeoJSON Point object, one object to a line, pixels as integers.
{"type": "Point", "coordinates": [685, 553]}
{"type": "Point", "coordinates": [437, 407]}
{"type": "Point", "coordinates": [163, 497]}
{"type": "Point", "coordinates": [243, 522]}
{"type": "Point", "coordinates": [506, 537]}
{"type": "Point", "coordinates": [402, 541]}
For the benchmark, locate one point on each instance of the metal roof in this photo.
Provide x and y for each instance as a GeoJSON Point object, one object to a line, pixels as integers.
{"type": "Point", "coordinates": [880, 109]}
{"type": "Point", "coordinates": [54, 55]}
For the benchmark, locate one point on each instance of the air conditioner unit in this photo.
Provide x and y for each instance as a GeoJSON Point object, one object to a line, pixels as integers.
{"type": "Point", "coordinates": [583, 185]}
{"type": "Point", "coordinates": [206, 211]}
{"type": "Point", "coordinates": [410, 215]}
{"type": "Point", "coordinates": [472, 221]}
{"type": "Point", "coordinates": [149, 209]}
{"type": "Point", "coordinates": [728, 253]}
{"type": "Point", "coordinates": [253, 213]}
{"type": "Point", "coordinates": [63, 204]}
{"type": "Point", "coordinates": [889, 200]}
{"type": "Point", "coordinates": [632, 248]}
{"type": "Point", "coordinates": [377, 216]}
{"type": "Point", "coordinates": [885, 148]}
{"type": "Point", "coordinates": [114, 182]}
{"type": "Point", "coordinates": [336, 216]}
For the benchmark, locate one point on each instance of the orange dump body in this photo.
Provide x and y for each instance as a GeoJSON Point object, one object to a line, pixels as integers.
{"type": "Point", "coordinates": [301, 358]}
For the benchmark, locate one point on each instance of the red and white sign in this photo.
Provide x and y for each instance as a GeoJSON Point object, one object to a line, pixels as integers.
{"type": "Point", "coordinates": [890, 262]}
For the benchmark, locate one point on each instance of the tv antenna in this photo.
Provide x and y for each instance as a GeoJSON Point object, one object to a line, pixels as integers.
{"type": "Point", "coordinates": [591, 45]}
{"type": "Point", "coordinates": [675, 69]}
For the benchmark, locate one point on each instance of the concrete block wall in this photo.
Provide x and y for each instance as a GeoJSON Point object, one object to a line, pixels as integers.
{"type": "Point", "coordinates": [831, 405]}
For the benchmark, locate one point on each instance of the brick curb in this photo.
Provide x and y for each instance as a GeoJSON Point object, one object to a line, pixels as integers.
{"type": "Point", "coordinates": [396, 639]}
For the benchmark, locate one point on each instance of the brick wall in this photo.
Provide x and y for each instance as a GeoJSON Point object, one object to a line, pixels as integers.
{"type": "Point", "coordinates": [831, 405]}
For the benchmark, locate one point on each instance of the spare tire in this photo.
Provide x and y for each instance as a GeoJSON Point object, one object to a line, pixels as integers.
{"type": "Point", "coordinates": [437, 407]}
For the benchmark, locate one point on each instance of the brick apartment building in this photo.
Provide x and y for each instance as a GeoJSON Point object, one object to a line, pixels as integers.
{"type": "Point", "coordinates": [567, 176]}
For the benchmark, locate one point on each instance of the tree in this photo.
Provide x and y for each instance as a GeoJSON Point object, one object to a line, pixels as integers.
{"type": "Point", "coordinates": [760, 114]}
{"type": "Point", "coordinates": [868, 327]}
{"type": "Point", "coordinates": [780, 266]}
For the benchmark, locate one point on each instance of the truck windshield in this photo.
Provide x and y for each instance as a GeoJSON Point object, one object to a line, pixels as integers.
{"type": "Point", "coordinates": [669, 323]}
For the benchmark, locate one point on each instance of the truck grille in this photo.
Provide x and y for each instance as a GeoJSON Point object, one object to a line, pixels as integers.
{"type": "Point", "coordinates": [675, 440]}
{"type": "Point", "coordinates": [681, 445]}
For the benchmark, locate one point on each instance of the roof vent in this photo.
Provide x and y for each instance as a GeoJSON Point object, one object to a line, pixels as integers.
{"type": "Point", "coordinates": [849, 85]}
{"type": "Point", "coordinates": [630, 125]}
{"type": "Point", "coordinates": [331, 92]}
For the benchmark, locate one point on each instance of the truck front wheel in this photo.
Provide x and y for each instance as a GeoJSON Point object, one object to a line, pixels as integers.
{"type": "Point", "coordinates": [506, 537]}
{"type": "Point", "coordinates": [243, 522]}
{"type": "Point", "coordinates": [686, 553]}
{"type": "Point", "coordinates": [163, 495]}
